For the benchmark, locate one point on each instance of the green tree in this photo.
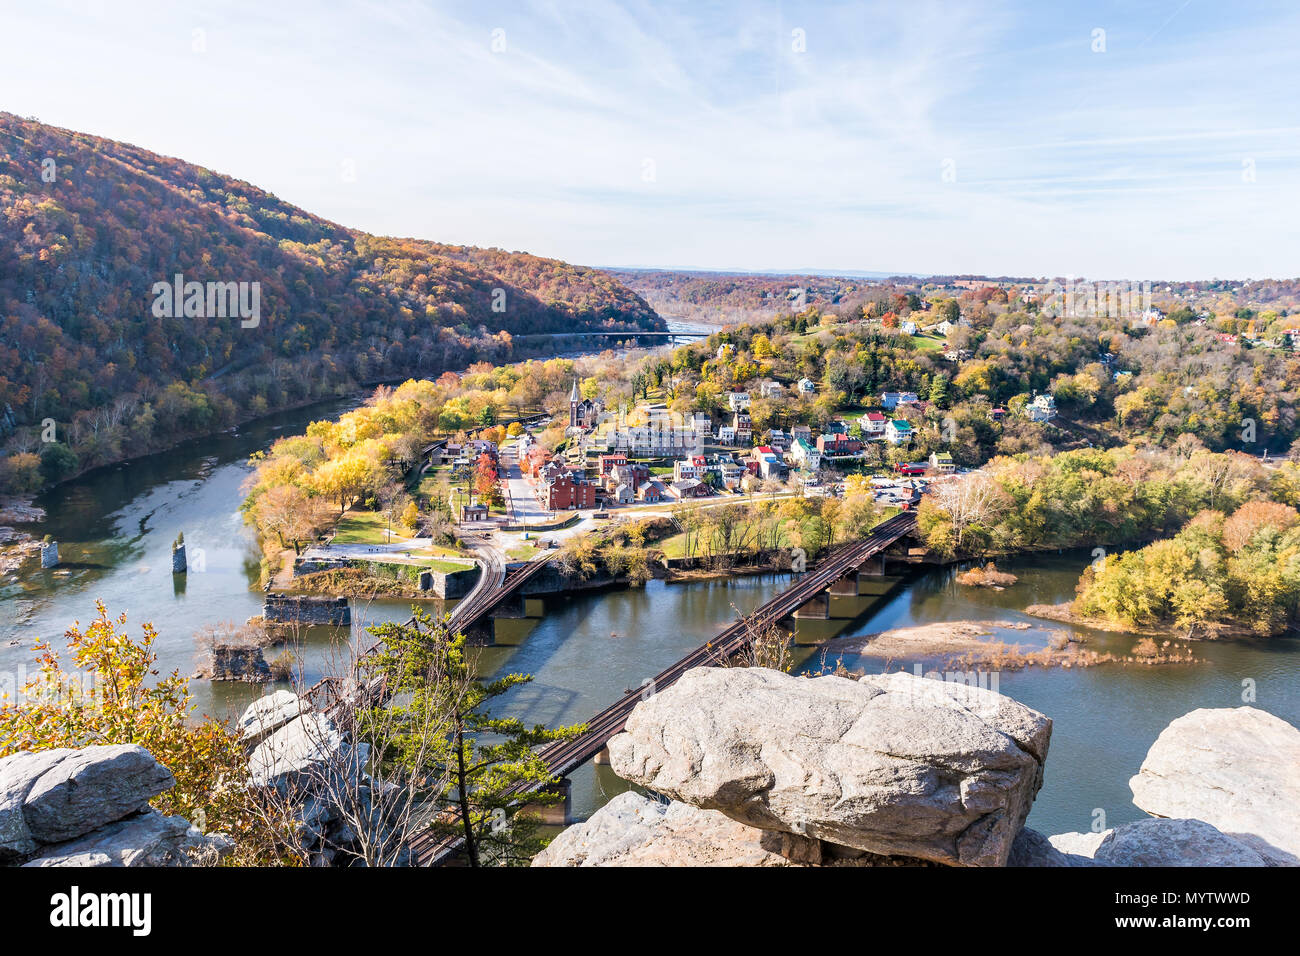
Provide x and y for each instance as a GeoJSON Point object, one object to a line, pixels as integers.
{"type": "Point", "coordinates": [484, 767]}
{"type": "Point", "coordinates": [58, 462]}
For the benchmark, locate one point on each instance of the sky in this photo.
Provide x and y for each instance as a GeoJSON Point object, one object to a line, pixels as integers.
{"type": "Point", "coordinates": [1142, 140]}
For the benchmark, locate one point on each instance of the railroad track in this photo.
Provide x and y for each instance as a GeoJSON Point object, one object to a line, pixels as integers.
{"type": "Point", "coordinates": [562, 757]}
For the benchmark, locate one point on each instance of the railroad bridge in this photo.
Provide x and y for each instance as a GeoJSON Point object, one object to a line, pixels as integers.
{"type": "Point", "coordinates": [842, 571]}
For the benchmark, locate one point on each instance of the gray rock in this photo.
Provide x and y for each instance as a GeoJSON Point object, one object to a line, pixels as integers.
{"type": "Point", "coordinates": [1078, 844]}
{"type": "Point", "coordinates": [1031, 848]}
{"type": "Point", "coordinates": [1160, 843]}
{"type": "Point", "coordinates": [1237, 769]}
{"type": "Point", "coordinates": [71, 792]}
{"type": "Point", "coordinates": [632, 830]}
{"type": "Point", "coordinates": [149, 839]}
{"type": "Point", "coordinates": [895, 765]}
{"type": "Point", "coordinates": [306, 753]}
{"type": "Point", "coordinates": [268, 714]}
{"type": "Point", "coordinates": [17, 774]}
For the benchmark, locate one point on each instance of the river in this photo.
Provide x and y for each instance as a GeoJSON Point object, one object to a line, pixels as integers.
{"type": "Point", "coordinates": [115, 528]}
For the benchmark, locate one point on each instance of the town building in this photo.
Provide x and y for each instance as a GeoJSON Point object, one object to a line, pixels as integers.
{"type": "Point", "coordinates": [838, 444]}
{"type": "Point", "coordinates": [651, 493]}
{"type": "Point", "coordinates": [898, 430]}
{"type": "Point", "coordinates": [941, 463]}
{"type": "Point", "coordinates": [583, 412]}
{"type": "Point", "coordinates": [873, 423]}
{"type": "Point", "coordinates": [891, 400]}
{"type": "Point", "coordinates": [568, 491]}
{"type": "Point", "coordinates": [805, 455]}
{"type": "Point", "coordinates": [685, 468]}
{"type": "Point", "coordinates": [690, 488]}
{"type": "Point", "coordinates": [607, 463]}
{"type": "Point", "coordinates": [744, 428]}
{"type": "Point", "coordinates": [767, 463]}
{"type": "Point", "coordinates": [779, 440]}
{"type": "Point", "coordinates": [1042, 408]}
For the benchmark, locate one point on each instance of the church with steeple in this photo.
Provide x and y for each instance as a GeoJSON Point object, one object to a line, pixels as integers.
{"type": "Point", "coordinates": [583, 412]}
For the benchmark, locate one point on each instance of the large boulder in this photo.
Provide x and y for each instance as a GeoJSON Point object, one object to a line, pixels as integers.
{"type": "Point", "coordinates": [66, 793]}
{"type": "Point", "coordinates": [632, 830]}
{"type": "Point", "coordinates": [306, 754]}
{"type": "Point", "coordinates": [895, 765]}
{"type": "Point", "coordinates": [1235, 768]}
{"type": "Point", "coordinates": [17, 774]}
{"type": "Point", "coordinates": [1159, 843]}
{"type": "Point", "coordinates": [268, 714]}
{"type": "Point", "coordinates": [147, 839]}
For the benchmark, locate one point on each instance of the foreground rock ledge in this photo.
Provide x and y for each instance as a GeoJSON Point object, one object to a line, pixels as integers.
{"type": "Point", "coordinates": [895, 765]}
{"type": "Point", "coordinates": [1235, 768]}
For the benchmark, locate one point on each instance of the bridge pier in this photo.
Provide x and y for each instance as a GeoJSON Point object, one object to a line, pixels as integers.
{"type": "Point", "coordinates": [481, 633]}
{"type": "Point", "coordinates": [873, 567]}
{"type": "Point", "coordinates": [845, 586]}
{"type": "Point", "coordinates": [602, 757]}
{"type": "Point", "coordinates": [559, 813]}
{"type": "Point", "coordinates": [817, 609]}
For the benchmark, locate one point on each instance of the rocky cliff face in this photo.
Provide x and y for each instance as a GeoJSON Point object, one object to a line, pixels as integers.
{"type": "Point", "coordinates": [90, 807]}
{"type": "Point", "coordinates": [763, 769]}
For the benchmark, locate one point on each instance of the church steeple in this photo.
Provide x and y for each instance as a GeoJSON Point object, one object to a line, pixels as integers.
{"type": "Point", "coordinates": [574, 397]}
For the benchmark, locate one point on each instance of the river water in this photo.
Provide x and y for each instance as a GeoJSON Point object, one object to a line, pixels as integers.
{"type": "Point", "coordinates": [115, 528]}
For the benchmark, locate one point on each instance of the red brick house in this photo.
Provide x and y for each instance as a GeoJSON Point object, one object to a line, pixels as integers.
{"type": "Point", "coordinates": [608, 462]}
{"type": "Point", "coordinates": [838, 445]}
{"type": "Point", "coordinates": [566, 493]}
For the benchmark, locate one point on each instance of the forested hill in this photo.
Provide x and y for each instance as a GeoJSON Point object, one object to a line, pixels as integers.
{"type": "Point", "coordinates": [89, 225]}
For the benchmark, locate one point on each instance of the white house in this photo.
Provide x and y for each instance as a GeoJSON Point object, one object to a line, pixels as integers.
{"type": "Point", "coordinates": [806, 386]}
{"type": "Point", "coordinates": [1042, 408]}
{"type": "Point", "coordinates": [941, 463]}
{"type": "Point", "coordinates": [805, 455]}
{"type": "Point", "coordinates": [738, 400]}
{"type": "Point", "coordinates": [873, 423]}
{"type": "Point", "coordinates": [898, 430]}
{"type": "Point", "coordinates": [771, 389]}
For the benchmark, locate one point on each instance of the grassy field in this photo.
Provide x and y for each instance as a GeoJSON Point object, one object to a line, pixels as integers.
{"type": "Point", "coordinates": [927, 343]}
{"type": "Point", "coordinates": [447, 567]}
{"type": "Point", "coordinates": [364, 527]}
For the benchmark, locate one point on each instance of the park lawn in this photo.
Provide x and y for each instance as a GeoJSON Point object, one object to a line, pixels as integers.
{"type": "Point", "coordinates": [927, 343]}
{"type": "Point", "coordinates": [364, 527]}
{"type": "Point", "coordinates": [436, 551]}
{"type": "Point", "coordinates": [447, 567]}
{"type": "Point", "coordinates": [522, 552]}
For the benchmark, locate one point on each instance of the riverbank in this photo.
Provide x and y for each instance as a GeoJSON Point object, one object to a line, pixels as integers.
{"type": "Point", "coordinates": [1065, 614]}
